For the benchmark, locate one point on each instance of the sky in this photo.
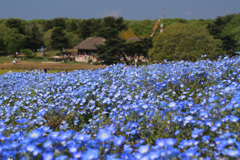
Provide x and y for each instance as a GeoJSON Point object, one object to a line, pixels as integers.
{"type": "Point", "coordinates": [128, 9]}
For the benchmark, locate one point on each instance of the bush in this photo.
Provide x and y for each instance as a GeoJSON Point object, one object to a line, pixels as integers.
{"type": "Point", "coordinates": [184, 42]}
{"type": "Point", "coordinates": [28, 53]}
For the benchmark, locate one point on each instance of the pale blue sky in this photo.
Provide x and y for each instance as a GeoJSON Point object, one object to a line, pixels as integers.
{"type": "Point", "coordinates": [128, 9]}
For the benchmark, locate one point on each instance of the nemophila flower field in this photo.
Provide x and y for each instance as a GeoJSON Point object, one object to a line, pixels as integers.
{"type": "Point", "coordinates": [176, 110]}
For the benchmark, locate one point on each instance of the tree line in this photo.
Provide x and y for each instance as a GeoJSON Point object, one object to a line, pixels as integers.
{"type": "Point", "coordinates": [59, 33]}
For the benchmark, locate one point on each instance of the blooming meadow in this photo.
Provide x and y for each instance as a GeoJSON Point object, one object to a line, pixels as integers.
{"type": "Point", "coordinates": [175, 110]}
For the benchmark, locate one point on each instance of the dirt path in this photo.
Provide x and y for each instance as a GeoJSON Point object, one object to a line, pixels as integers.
{"type": "Point", "coordinates": [53, 65]}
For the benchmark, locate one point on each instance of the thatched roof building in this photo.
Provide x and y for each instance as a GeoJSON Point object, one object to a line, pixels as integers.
{"type": "Point", "coordinates": [134, 39]}
{"type": "Point", "coordinates": [89, 45]}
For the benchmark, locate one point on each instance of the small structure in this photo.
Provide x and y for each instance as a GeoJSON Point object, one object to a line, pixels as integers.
{"type": "Point", "coordinates": [134, 39]}
{"type": "Point", "coordinates": [89, 45]}
{"type": "Point", "coordinates": [87, 49]}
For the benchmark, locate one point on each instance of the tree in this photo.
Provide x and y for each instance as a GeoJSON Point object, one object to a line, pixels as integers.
{"type": "Point", "coordinates": [34, 36]}
{"type": "Point", "coordinates": [127, 34]}
{"type": "Point", "coordinates": [47, 39]}
{"type": "Point", "coordinates": [112, 51]}
{"type": "Point", "coordinates": [217, 30]}
{"type": "Point", "coordinates": [16, 23]}
{"type": "Point", "coordinates": [3, 31]}
{"type": "Point", "coordinates": [236, 33]}
{"type": "Point", "coordinates": [72, 39]}
{"type": "Point", "coordinates": [108, 32]}
{"type": "Point", "coordinates": [59, 22]}
{"type": "Point", "coordinates": [139, 47]}
{"type": "Point", "coordinates": [58, 39]}
{"type": "Point", "coordinates": [111, 27]}
{"type": "Point", "coordinates": [184, 42]}
{"type": "Point", "coordinates": [13, 40]}
{"type": "Point", "coordinates": [27, 52]}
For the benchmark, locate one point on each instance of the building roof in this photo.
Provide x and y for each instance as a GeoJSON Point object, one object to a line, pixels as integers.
{"type": "Point", "coordinates": [134, 39]}
{"type": "Point", "coordinates": [90, 43]}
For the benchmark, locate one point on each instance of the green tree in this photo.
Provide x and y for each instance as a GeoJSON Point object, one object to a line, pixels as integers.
{"type": "Point", "coordinates": [3, 31]}
{"type": "Point", "coordinates": [184, 42]}
{"type": "Point", "coordinates": [59, 22]}
{"type": "Point", "coordinates": [27, 52]}
{"type": "Point", "coordinates": [236, 34]}
{"type": "Point", "coordinates": [47, 39]}
{"type": "Point", "coordinates": [112, 51]}
{"type": "Point", "coordinates": [111, 27]}
{"type": "Point", "coordinates": [13, 40]}
{"type": "Point", "coordinates": [16, 23]}
{"type": "Point", "coordinates": [72, 39]}
{"type": "Point", "coordinates": [34, 36]}
{"type": "Point", "coordinates": [138, 48]}
{"type": "Point", "coordinates": [108, 32]}
{"type": "Point", "coordinates": [216, 29]}
{"type": "Point", "coordinates": [58, 39]}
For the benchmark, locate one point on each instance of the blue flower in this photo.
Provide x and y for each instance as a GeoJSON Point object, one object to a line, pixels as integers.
{"type": "Point", "coordinates": [160, 142]}
{"type": "Point", "coordinates": [118, 140]}
{"type": "Point", "coordinates": [47, 144]}
{"type": "Point", "coordinates": [170, 141]}
{"type": "Point", "coordinates": [143, 149]}
{"type": "Point", "coordinates": [234, 119]}
{"type": "Point", "coordinates": [47, 156]}
{"type": "Point", "coordinates": [154, 155]}
{"type": "Point", "coordinates": [103, 135]}
{"type": "Point", "coordinates": [72, 148]}
{"type": "Point", "coordinates": [90, 154]}
{"type": "Point", "coordinates": [61, 157]}
{"type": "Point", "coordinates": [127, 148]}
{"type": "Point", "coordinates": [22, 121]}
{"type": "Point", "coordinates": [34, 134]}
{"type": "Point", "coordinates": [31, 147]}
{"type": "Point", "coordinates": [177, 132]}
{"type": "Point", "coordinates": [231, 153]}
{"type": "Point", "coordinates": [77, 155]}
{"type": "Point", "coordinates": [172, 104]}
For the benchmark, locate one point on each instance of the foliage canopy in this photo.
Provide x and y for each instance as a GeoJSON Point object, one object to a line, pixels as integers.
{"type": "Point", "coordinates": [184, 42]}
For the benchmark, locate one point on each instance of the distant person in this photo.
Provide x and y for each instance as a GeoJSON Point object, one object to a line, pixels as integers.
{"type": "Point", "coordinates": [45, 70]}
{"type": "Point", "coordinates": [14, 62]}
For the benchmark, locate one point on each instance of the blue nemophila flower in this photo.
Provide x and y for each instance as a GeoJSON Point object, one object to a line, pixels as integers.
{"type": "Point", "coordinates": [197, 132]}
{"type": "Point", "coordinates": [91, 154]}
{"type": "Point", "coordinates": [143, 149]}
{"type": "Point", "coordinates": [118, 140]}
{"type": "Point", "coordinates": [172, 104]}
{"type": "Point", "coordinates": [231, 153]}
{"type": "Point", "coordinates": [154, 155]}
{"type": "Point", "coordinates": [170, 141]}
{"type": "Point", "coordinates": [234, 119]}
{"type": "Point", "coordinates": [61, 157]}
{"type": "Point", "coordinates": [214, 128]}
{"type": "Point", "coordinates": [112, 157]}
{"type": "Point", "coordinates": [47, 144]}
{"type": "Point", "coordinates": [77, 155]}
{"type": "Point", "coordinates": [127, 148]}
{"type": "Point", "coordinates": [35, 134]}
{"type": "Point", "coordinates": [104, 134]}
{"type": "Point", "coordinates": [177, 132]}
{"type": "Point", "coordinates": [206, 138]}
{"type": "Point", "coordinates": [22, 121]}
{"type": "Point", "coordinates": [160, 142]}
{"type": "Point", "coordinates": [31, 147]}
{"type": "Point", "coordinates": [73, 148]}
{"type": "Point", "coordinates": [47, 156]}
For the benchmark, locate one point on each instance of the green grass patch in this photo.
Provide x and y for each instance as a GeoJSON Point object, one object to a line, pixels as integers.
{"type": "Point", "coordinates": [6, 59]}
{"type": "Point", "coordinates": [6, 71]}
